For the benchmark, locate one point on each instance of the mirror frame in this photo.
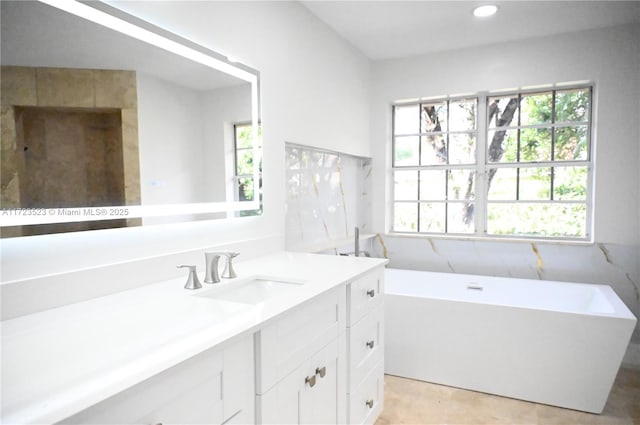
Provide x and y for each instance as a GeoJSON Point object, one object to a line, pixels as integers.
{"type": "Point", "coordinates": [124, 23]}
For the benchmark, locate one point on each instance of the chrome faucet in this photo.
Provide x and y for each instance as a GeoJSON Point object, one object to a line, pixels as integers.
{"type": "Point", "coordinates": [212, 258]}
{"type": "Point", "coordinates": [228, 272]}
{"type": "Point", "coordinates": [356, 246]}
{"type": "Point", "coordinates": [211, 262]}
{"type": "Point", "coordinates": [192, 280]}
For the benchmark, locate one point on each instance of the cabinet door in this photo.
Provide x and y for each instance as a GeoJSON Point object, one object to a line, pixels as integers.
{"type": "Point", "coordinates": [238, 383]}
{"type": "Point", "coordinates": [308, 395]}
{"type": "Point", "coordinates": [280, 405]}
{"type": "Point", "coordinates": [319, 403]}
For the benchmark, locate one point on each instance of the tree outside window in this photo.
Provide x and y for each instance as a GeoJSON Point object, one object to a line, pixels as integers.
{"type": "Point", "coordinates": [243, 165]}
{"type": "Point", "coordinates": [527, 174]}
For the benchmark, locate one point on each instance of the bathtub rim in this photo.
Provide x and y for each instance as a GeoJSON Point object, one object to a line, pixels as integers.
{"type": "Point", "coordinates": [621, 311]}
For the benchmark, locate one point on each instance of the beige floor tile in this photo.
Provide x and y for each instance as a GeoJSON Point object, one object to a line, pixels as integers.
{"type": "Point", "coordinates": [409, 401]}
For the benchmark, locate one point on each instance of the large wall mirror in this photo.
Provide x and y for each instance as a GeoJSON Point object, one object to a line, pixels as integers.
{"type": "Point", "coordinates": [108, 121]}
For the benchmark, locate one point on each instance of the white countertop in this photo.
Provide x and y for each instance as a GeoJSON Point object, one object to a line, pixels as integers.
{"type": "Point", "coordinates": [58, 362]}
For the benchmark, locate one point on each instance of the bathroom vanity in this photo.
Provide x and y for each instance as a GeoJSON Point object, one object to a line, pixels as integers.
{"type": "Point", "coordinates": [296, 338]}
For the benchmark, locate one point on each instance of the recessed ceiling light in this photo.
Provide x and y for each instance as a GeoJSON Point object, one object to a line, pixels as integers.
{"type": "Point", "coordinates": [484, 11]}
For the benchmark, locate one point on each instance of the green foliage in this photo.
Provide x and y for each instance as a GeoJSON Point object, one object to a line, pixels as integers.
{"type": "Point", "coordinates": [572, 105]}
{"type": "Point", "coordinates": [544, 220]}
{"type": "Point", "coordinates": [536, 109]}
{"type": "Point", "coordinates": [546, 127]}
{"type": "Point", "coordinates": [245, 164]}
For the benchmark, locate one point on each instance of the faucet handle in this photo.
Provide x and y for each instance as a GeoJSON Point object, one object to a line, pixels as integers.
{"type": "Point", "coordinates": [192, 280]}
{"type": "Point", "coordinates": [229, 272]}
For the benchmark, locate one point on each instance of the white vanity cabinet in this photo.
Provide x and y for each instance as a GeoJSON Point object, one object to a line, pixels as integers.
{"type": "Point", "coordinates": [365, 347]}
{"type": "Point", "coordinates": [214, 387]}
{"type": "Point", "coordinates": [311, 355]}
{"type": "Point", "coordinates": [300, 364]}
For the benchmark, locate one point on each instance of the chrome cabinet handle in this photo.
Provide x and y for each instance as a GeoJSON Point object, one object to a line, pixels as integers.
{"type": "Point", "coordinates": [311, 380]}
{"type": "Point", "coordinates": [321, 371]}
{"type": "Point", "coordinates": [370, 344]}
{"type": "Point", "coordinates": [369, 403]}
{"type": "Point", "coordinates": [371, 293]}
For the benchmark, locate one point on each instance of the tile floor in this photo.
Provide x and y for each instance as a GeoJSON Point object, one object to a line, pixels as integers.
{"type": "Point", "coordinates": [414, 402]}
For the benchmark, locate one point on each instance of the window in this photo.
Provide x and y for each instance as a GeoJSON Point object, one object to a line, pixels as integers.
{"type": "Point", "coordinates": [523, 170]}
{"type": "Point", "coordinates": [243, 165]}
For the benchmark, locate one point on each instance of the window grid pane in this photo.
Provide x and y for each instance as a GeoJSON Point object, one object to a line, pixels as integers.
{"type": "Point", "coordinates": [539, 145]}
{"type": "Point", "coordinates": [537, 219]}
{"type": "Point", "coordinates": [243, 179]}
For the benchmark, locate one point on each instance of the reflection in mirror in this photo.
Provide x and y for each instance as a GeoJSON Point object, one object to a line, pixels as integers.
{"type": "Point", "coordinates": [101, 129]}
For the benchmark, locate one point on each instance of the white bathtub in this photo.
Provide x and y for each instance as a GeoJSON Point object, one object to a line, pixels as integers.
{"type": "Point", "coordinates": [548, 342]}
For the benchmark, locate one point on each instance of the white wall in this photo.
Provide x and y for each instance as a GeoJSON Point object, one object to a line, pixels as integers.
{"type": "Point", "coordinates": [608, 57]}
{"type": "Point", "coordinates": [185, 139]}
{"type": "Point", "coordinates": [171, 141]}
{"type": "Point", "coordinates": [222, 108]}
{"type": "Point", "coordinates": [306, 73]}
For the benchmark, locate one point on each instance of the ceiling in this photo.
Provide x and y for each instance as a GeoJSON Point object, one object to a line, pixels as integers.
{"type": "Point", "coordinates": [393, 28]}
{"type": "Point", "coordinates": [36, 34]}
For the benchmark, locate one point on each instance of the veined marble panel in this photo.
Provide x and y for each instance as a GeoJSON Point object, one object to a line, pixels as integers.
{"type": "Point", "coordinates": [327, 197]}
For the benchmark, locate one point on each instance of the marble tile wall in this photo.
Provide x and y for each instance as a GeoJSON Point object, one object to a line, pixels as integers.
{"type": "Point", "coordinates": [327, 197]}
{"type": "Point", "coordinates": [64, 89]}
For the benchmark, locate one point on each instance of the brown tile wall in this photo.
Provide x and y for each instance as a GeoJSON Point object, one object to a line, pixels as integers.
{"type": "Point", "coordinates": [68, 153]}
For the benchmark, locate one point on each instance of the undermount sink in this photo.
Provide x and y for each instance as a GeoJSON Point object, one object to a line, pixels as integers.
{"type": "Point", "coordinates": [252, 291]}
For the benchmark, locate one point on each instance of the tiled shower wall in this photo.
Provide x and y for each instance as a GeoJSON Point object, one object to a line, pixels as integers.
{"type": "Point", "coordinates": [89, 90]}
{"type": "Point", "coordinates": [327, 197]}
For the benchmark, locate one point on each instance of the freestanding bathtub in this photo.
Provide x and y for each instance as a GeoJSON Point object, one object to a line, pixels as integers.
{"type": "Point", "coordinates": [548, 342]}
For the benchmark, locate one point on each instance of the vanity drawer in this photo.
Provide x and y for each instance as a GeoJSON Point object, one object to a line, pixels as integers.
{"type": "Point", "coordinates": [365, 294]}
{"type": "Point", "coordinates": [366, 402]}
{"type": "Point", "coordinates": [285, 344]}
{"type": "Point", "coordinates": [366, 346]}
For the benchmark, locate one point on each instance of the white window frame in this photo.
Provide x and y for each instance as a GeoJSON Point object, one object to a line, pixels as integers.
{"type": "Point", "coordinates": [483, 165]}
{"type": "Point", "coordinates": [236, 152]}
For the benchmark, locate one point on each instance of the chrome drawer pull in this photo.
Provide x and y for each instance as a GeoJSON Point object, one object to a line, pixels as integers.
{"type": "Point", "coordinates": [370, 344]}
{"type": "Point", "coordinates": [369, 403]}
{"type": "Point", "coordinates": [371, 293]}
{"type": "Point", "coordinates": [311, 380]}
{"type": "Point", "coordinates": [321, 371]}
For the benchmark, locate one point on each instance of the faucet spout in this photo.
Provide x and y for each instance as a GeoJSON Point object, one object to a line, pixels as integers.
{"type": "Point", "coordinates": [211, 262]}
{"type": "Point", "coordinates": [356, 243]}
{"type": "Point", "coordinates": [212, 258]}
